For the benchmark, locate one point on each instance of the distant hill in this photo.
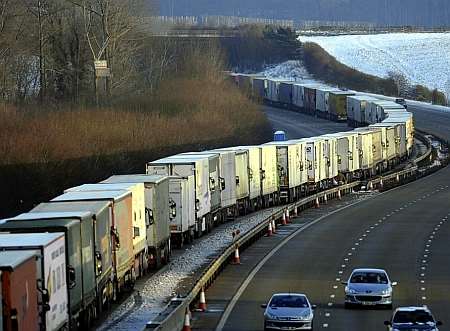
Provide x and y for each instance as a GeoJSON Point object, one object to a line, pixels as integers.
{"type": "Point", "coordinates": [429, 13]}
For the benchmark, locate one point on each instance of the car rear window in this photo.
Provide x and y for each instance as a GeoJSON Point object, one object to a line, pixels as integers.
{"type": "Point", "coordinates": [369, 278]}
{"type": "Point", "coordinates": [289, 302]}
{"type": "Point", "coordinates": [415, 317]}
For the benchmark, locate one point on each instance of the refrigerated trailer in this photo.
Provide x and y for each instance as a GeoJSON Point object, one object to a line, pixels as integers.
{"type": "Point", "coordinates": [378, 154]}
{"type": "Point", "coordinates": [338, 105]}
{"type": "Point", "coordinates": [182, 223]}
{"type": "Point", "coordinates": [138, 213]}
{"type": "Point", "coordinates": [226, 182]}
{"type": "Point", "coordinates": [18, 291]}
{"type": "Point", "coordinates": [49, 256]}
{"type": "Point", "coordinates": [101, 226]}
{"type": "Point", "coordinates": [122, 232]}
{"type": "Point", "coordinates": [158, 211]}
{"type": "Point", "coordinates": [358, 110]}
{"type": "Point", "coordinates": [242, 180]}
{"type": "Point", "coordinates": [184, 167]}
{"type": "Point", "coordinates": [289, 169]}
{"type": "Point", "coordinates": [330, 156]}
{"type": "Point", "coordinates": [80, 255]}
{"type": "Point", "coordinates": [322, 102]}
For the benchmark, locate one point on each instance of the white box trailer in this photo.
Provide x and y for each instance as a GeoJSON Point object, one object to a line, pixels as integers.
{"type": "Point", "coordinates": [377, 143]}
{"type": "Point", "coordinates": [358, 109]}
{"type": "Point", "coordinates": [407, 119]}
{"type": "Point", "coordinates": [241, 166]}
{"type": "Point", "coordinates": [316, 162]}
{"type": "Point", "coordinates": [138, 209]}
{"type": "Point", "coordinates": [227, 176]}
{"type": "Point", "coordinates": [401, 139]}
{"type": "Point", "coordinates": [254, 171]}
{"type": "Point", "coordinates": [298, 95]}
{"type": "Point", "coordinates": [353, 151]}
{"type": "Point", "coordinates": [342, 151]}
{"type": "Point", "coordinates": [214, 176]}
{"type": "Point", "coordinates": [288, 166]}
{"type": "Point", "coordinates": [365, 148]}
{"type": "Point", "coordinates": [158, 209]}
{"type": "Point", "coordinates": [390, 141]}
{"type": "Point", "coordinates": [182, 223]}
{"type": "Point", "coordinates": [378, 109]}
{"type": "Point", "coordinates": [269, 172]}
{"type": "Point", "coordinates": [50, 251]}
{"type": "Point", "coordinates": [184, 167]}
{"type": "Point", "coordinates": [322, 105]}
{"type": "Point", "coordinates": [330, 155]}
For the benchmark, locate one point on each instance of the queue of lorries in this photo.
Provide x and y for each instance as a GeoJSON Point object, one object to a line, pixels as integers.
{"type": "Point", "coordinates": [71, 257]}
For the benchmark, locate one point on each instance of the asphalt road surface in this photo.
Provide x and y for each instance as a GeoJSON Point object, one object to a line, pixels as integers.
{"type": "Point", "coordinates": [298, 125]}
{"type": "Point", "coordinates": [405, 231]}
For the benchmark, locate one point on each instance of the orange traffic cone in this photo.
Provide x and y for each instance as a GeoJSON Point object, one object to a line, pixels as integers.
{"type": "Point", "coordinates": [269, 229]}
{"type": "Point", "coordinates": [202, 303]}
{"type": "Point", "coordinates": [339, 195]}
{"type": "Point", "coordinates": [187, 321]}
{"type": "Point", "coordinates": [381, 183]}
{"type": "Point", "coordinates": [284, 219]}
{"type": "Point", "coordinates": [325, 198]}
{"type": "Point", "coordinates": [288, 216]}
{"type": "Point", "coordinates": [317, 203]}
{"type": "Point", "coordinates": [274, 226]}
{"type": "Point", "coordinates": [236, 258]}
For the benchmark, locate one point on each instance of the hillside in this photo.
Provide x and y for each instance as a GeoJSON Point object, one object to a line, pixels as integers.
{"type": "Point", "coordinates": [417, 56]}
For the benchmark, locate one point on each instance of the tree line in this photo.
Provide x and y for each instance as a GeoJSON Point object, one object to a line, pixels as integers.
{"type": "Point", "coordinates": [73, 50]}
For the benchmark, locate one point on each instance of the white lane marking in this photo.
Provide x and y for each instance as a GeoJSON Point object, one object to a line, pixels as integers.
{"type": "Point", "coordinates": [338, 279]}
{"type": "Point", "coordinates": [332, 296]}
{"type": "Point", "coordinates": [335, 287]}
{"type": "Point", "coordinates": [325, 325]}
{"type": "Point", "coordinates": [330, 304]}
{"type": "Point", "coordinates": [327, 314]}
{"type": "Point", "coordinates": [252, 274]}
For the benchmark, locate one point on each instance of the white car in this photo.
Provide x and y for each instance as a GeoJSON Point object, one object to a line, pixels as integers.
{"type": "Point", "coordinates": [288, 311]}
{"type": "Point", "coordinates": [368, 287]}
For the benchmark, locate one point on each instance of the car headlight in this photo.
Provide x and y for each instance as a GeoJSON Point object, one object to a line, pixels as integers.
{"type": "Point", "coordinates": [306, 316]}
{"type": "Point", "coordinates": [350, 290]}
{"type": "Point", "coordinates": [387, 291]}
{"type": "Point", "coordinates": [271, 316]}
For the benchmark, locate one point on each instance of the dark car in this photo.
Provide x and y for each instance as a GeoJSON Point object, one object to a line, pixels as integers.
{"type": "Point", "coordinates": [412, 319]}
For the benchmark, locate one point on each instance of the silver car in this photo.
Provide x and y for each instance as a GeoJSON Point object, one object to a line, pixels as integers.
{"type": "Point", "coordinates": [368, 287]}
{"type": "Point", "coordinates": [288, 311]}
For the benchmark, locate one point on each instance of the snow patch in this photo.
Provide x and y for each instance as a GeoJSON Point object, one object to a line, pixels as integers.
{"type": "Point", "coordinates": [421, 57]}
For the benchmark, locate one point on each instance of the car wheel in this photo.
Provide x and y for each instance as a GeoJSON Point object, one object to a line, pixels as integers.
{"type": "Point", "coordinates": [347, 305]}
{"type": "Point", "coordinates": [389, 306]}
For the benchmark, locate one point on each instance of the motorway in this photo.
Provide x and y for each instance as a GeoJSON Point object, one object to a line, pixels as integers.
{"type": "Point", "coordinates": [297, 125]}
{"type": "Point", "coordinates": [404, 231]}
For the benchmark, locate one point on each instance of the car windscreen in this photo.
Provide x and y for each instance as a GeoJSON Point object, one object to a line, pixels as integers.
{"type": "Point", "coordinates": [415, 317]}
{"type": "Point", "coordinates": [369, 278]}
{"type": "Point", "coordinates": [289, 301]}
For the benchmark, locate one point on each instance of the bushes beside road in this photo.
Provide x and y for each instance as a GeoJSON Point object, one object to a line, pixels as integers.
{"type": "Point", "coordinates": [45, 149]}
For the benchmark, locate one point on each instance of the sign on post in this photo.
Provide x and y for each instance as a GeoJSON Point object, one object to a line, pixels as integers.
{"type": "Point", "coordinates": [101, 68]}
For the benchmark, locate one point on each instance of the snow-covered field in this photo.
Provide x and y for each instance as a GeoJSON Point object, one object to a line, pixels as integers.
{"type": "Point", "coordinates": [424, 58]}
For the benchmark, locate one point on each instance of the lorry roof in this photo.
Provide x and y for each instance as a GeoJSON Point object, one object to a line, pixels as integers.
{"type": "Point", "coordinates": [28, 239]}
{"type": "Point", "coordinates": [93, 195]}
{"type": "Point", "coordinates": [93, 207]}
{"type": "Point", "coordinates": [102, 187]}
{"type": "Point", "coordinates": [50, 215]}
{"type": "Point", "coordinates": [10, 260]}
{"type": "Point", "coordinates": [153, 179]}
{"type": "Point", "coordinates": [363, 97]}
